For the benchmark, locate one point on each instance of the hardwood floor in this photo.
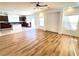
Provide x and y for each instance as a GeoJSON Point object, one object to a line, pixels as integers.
{"type": "Point", "coordinates": [38, 43]}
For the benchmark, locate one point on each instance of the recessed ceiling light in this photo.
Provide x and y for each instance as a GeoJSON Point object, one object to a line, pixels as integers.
{"type": "Point", "coordinates": [70, 9]}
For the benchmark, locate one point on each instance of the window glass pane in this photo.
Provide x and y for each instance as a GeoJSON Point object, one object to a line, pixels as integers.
{"type": "Point", "coordinates": [28, 19]}
{"type": "Point", "coordinates": [71, 22]}
{"type": "Point", "coordinates": [13, 18]}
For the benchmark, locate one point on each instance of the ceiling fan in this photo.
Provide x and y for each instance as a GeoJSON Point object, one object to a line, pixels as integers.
{"type": "Point", "coordinates": [38, 4]}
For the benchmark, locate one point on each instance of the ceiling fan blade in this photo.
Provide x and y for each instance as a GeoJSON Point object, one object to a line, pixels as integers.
{"type": "Point", "coordinates": [43, 5]}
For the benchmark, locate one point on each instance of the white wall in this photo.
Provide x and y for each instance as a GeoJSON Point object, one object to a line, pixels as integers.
{"type": "Point", "coordinates": [60, 23]}
{"type": "Point", "coordinates": [52, 21]}
{"type": "Point", "coordinates": [71, 11]}
{"type": "Point", "coordinates": [36, 20]}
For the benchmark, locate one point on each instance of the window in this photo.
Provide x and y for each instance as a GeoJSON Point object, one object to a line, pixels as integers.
{"type": "Point", "coordinates": [71, 22]}
{"type": "Point", "coordinates": [31, 19]}
{"type": "Point", "coordinates": [13, 18]}
{"type": "Point", "coordinates": [41, 16]}
{"type": "Point", "coordinates": [28, 19]}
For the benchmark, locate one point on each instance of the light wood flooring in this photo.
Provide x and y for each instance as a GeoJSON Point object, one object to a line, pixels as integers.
{"type": "Point", "coordinates": [38, 43]}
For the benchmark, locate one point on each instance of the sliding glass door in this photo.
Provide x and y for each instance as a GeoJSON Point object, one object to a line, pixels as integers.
{"type": "Point", "coordinates": [71, 24]}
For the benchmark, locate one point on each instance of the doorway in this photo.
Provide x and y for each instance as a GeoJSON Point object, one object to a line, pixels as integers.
{"type": "Point", "coordinates": [31, 19]}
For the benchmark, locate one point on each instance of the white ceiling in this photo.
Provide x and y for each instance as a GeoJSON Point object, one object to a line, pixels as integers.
{"type": "Point", "coordinates": [26, 8]}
